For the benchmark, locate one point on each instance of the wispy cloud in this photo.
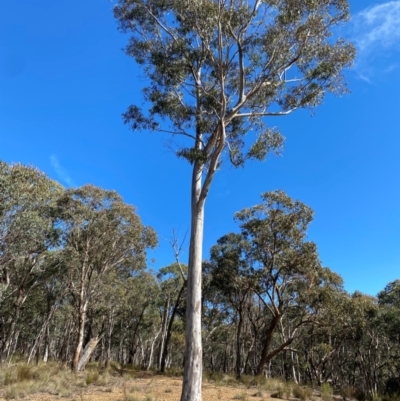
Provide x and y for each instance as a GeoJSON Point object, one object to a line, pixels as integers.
{"type": "Point", "coordinates": [61, 172]}
{"type": "Point", "coordinates": [391, 68]}
{"type": "Point", "coordinates": [378, 27]}
{"type": "Point", "coordinates": [376, 34]}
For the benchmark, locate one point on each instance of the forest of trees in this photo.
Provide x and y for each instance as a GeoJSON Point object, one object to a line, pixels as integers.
{"type": "Point", "coordinates": [75, 287]}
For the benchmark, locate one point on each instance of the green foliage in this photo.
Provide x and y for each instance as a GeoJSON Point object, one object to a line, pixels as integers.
{"type": "Point", "coordinates": [27, 233]}
{"type": "Point", "coordinates": [212, 65]}
{"type": "Point", "coordinates": [113, 229]}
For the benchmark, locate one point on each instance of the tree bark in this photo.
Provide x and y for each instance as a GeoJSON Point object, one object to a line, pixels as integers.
{"type": "Point", "coordinates": [81, 332]}
{"type": "Point", "coordinates": [87, 352]}
{"type": "Point", "coordinates": [164, 326]}
{"type": "Point", "coordinates": [150, 363]}
{"type": "Point", "coordinates": [239, 346]}
{"type": "Point", "coordinates": [169, 329]}
{"type": "Point", "coordinates": [191, 387]}
{"type": "Point", "coordinates": [10, 336]}
{"type": "Point", "coordinates": [109, 337]}
{"type": "Point", "coordinates": [267, 344]}
{"type": "Point", "coordinates": [41, 334]}
{"type": "Point", "coordinates": [132, 346]}
{"type": "Point", "coordinates": [46, 346]}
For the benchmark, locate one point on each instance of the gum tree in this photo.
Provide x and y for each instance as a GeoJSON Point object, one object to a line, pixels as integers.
{"type": "Point", "coordinates": [27, 201]}
{"type": "Point", "coordinates": [215, 70]}
{"type": "Point", "coordinates": [231, 275]}
{"type": "Point", "coordinates": [289, 278]}
{"type": "Point", "coordinates": [100, 234]}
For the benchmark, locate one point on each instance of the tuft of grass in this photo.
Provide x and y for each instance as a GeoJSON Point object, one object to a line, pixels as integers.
{"type": "Point", "coordinates": [259, 393]}
{"type": "Point", "coordinates": [133, 389]}
{"type": "Point", "coordinates": [260, 381]}
{"type": "Point", "coordinates": [168, 390]}
{"type": "Point", "coordinates": [347, 392]}
{"type": "Point", "coordinates": [254, 381]}
{"type": "Point", "coordinates": [283, 390]}
{"type": "Point", "coordinates": [273, 385]}
{"type": "Point", "coordinates": [393, 397]}
{"type": "Point", "coordinates": [241, 396]}
{"type": "Point", "coordinates": [248, 381]}
{"type": "Point", "coordinates": [130, 397]}
{"type": "Point", "coordinates": [104, 379]}
{"type": "Point", "coordinates": [20, 390]}
{"type": "Point", "coordinates": [65, 393]}
{"type": "Point", "coordinates": [229, 380]}
{"type": "Point", "coordinates": [11, 393]}
{"type": "Point", "coordinates": [8, 378]}
{"type": "Point", "coordinates": [92, 377]}
{"type": "Point", "coordinates": [26, 372]}
{"type": "Point", "coordinates": [303, 393]}
{"type": "Point", "coordinates": [220, 378]}
{"type": "Point", "coordinates": [326, 392]}
{"type": "Point", "coordinates": [174, 372]}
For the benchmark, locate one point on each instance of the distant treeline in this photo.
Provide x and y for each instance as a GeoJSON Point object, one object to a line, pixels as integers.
{"type": "Point", "coordinates": [74, 287]}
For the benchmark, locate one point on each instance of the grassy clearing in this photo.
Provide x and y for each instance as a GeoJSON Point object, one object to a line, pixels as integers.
{"type": "Point", "coordinates": [52, 381]}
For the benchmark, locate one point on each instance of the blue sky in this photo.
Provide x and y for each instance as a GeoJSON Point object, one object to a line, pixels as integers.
{"type": "Point", "coordinates": [64, 83]}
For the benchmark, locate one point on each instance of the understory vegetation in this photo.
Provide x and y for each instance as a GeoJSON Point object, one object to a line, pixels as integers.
{"type": "Point", "coordinates": [79, 307]}
{"type": "Point", "coordinates": [19, 380]}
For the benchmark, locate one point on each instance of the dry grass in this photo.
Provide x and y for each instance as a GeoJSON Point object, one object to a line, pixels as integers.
{"type": "Point", "coordinates": [302, 393]}
{"type": "Point", "coordinates": [50, 382]}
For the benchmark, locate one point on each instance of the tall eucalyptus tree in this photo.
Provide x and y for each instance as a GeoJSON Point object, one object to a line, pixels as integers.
{"type": "Point", "coordinates": [216, 69]}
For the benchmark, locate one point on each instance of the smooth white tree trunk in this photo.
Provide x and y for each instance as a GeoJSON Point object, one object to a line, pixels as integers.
{"type": "Point", "coordinates": [81, 332]}
{"type": "Point", "coordinates": [150, 363]}
{"type": "Point", "coordinates": [191, 388]}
